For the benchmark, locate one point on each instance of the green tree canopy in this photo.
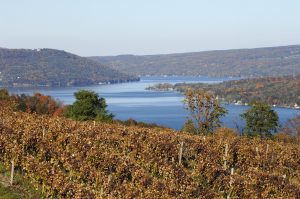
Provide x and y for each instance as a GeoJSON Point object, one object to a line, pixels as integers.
{"type": "Point", "coordinates": [88, 106]}
{"type": "Point", "coordinates": [205, 112]}
{"type": "Point", "coordinates": [261, 120]}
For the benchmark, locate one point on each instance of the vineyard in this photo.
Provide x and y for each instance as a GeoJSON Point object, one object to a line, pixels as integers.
{"type": "Point", "coordinates": [69, 159]}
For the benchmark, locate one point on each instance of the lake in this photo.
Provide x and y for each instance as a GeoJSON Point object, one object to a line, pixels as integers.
{"type": "Point", "coordinates": [131, 100]}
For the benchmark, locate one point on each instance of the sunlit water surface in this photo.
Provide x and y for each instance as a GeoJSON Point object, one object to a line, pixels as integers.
{"type": "Point", "coordinates": [131, 100]}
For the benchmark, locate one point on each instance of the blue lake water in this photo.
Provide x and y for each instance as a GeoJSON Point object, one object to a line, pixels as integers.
{"type": "Point", "coordinates": [131, 100]}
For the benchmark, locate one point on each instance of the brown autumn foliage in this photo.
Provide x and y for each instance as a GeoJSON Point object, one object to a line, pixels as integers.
{"type": "Point", "coordinates": [69, 159]}
{"type": "Point", "coordinates": [293, 127]}
{"type": "Point", "coordinates": [224, 133]}
{"type": "Point", "coordinates": [284, 137]}
{"type": "Point", "coordinates": [291, 131]}
{"type": "Point", "coordinates": [37, 103]}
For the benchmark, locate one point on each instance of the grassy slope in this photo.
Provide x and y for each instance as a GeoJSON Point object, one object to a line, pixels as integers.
{"type": "Point", "coordinates": [9, 193]}
{"type": "Point", "coordinates": [19, 190]}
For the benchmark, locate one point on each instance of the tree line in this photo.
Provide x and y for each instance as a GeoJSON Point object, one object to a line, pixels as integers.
{"type": "Point", "coordinates": [88, 105]}
{"type": "Point", "coordinates": [277, 91]}
{"type": "Point", "coordinates": [205, 112]}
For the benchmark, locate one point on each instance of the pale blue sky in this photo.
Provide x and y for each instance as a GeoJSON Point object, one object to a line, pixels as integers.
{"type": "Point", "coordinates": [111, 27]}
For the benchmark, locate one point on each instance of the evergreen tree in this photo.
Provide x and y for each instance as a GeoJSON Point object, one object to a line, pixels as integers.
{"type": "Point", "coordinates": [88, 106]}
{"type": "Point", "coordinates": [261, 120]}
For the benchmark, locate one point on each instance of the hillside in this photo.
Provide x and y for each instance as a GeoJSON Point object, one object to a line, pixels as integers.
{"type": "Point", "coordinates": [279, 91]}
{"type": "Point", "coordinates": [48, 67]}
{"type": "Point", "coordinates": [274, 61]}
{"type": "Point", "coordinates": [68, 159]}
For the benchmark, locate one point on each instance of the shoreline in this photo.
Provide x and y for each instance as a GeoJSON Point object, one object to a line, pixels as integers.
{"type": "Point", "coordinates": [152, 88]}
{"type": "Point", "coordinates": [66, 86]}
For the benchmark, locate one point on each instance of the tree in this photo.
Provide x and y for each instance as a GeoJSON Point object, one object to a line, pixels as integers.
{"type": "Point", "coordinates": [4, 95]}
{"type": "Point", "coordinates": [261, 120]}
{"type": "Point", "coordinates": [205, 112]}
{"type": "Point", "coordinates": [38, 103]}
{"type": "Point", "coordinates": [292, 127]}
{"type": "Point", "coordinates": [88, 106]}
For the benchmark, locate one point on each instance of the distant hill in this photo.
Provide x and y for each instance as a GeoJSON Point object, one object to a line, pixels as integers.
{"type": "Point", "coordinates": [272, 61]}
{"type": "Point", "coordinates": [48, 67]}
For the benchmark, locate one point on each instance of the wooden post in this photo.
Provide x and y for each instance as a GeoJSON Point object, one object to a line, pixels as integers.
{"type": "Point", "coordinates": [12, 172]}
{"type": "Point", "coordinates": [230, 183]}
{"type": "Point", "coordinates": [180, 153]}
{"type": "Point", "coordinates": [101, 192]}
{"type": "Point", "coordinates": [43, 188]}
{"type": "Point", "coordinates": [272, 157]}
{"type": "Point", "coordinates": [94, 123]}
{"type": "Point", "coordinates": [109, 179]}
{"type": "Point", "coordinates": [225, 156]}
{"type": "Point", "coordinates": [256, 149]}
{"type": "Point", "coordinates": [44, 131]}
{"type": "Point", "coordinates": [231, 176]}
{"type": "Point", "coordinates": [267, 150]}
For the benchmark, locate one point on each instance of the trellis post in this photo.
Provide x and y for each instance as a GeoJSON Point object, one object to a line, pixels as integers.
{"type": "Point", "coordinates": [180, 153]}
{"type": "Point", "coordinates": [12, 172]}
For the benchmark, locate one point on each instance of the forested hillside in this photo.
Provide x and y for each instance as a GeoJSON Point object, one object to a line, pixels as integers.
{"type": "Point", "coordinates": [280, 91]}
{"type": "Point", "coordinates": [68, 159]}
{"type": "Point", "coordinates": [275, 61]}
{"type": "Point", "coordinates": [48, 67]}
